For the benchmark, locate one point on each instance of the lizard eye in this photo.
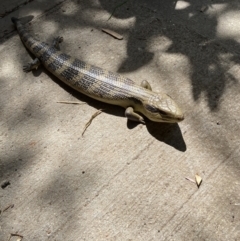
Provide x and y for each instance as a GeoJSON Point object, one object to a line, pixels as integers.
{"type": "Point", "coordinates": [152, 109]}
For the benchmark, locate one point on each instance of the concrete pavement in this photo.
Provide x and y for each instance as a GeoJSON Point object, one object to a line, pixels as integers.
{"type": "Point", "coordinates": [122, 181]}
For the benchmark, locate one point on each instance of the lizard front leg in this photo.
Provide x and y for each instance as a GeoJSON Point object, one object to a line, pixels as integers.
{"type": "Point", "coordinates": [132, 115]}
{"type": "Point", "coordinates": [32, 65]}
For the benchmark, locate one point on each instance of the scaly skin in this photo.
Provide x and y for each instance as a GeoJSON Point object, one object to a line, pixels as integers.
{"type": "Point", "coordinates": [101, 84]}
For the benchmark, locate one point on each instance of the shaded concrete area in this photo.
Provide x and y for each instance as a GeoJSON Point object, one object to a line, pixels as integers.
{"type": "Point", "coordinates": [122, 181]}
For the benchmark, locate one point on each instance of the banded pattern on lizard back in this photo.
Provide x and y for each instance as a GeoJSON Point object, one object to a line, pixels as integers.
{"type": "Point", "coordinates": [101, 84]}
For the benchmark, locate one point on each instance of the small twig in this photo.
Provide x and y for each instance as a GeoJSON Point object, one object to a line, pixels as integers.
{"type": "Point", "coordinates": [191, 180]}
{"type": "Point", "coordinates": [9, 206]}
{"type": "Point", "coordinates": [112, 33]}
{"type": "Point", "coordinates": [90, 121]}
{"type": "Point", "coordinates": [71, 102]}
{"type": "Point", "coordinates": [119, 5]}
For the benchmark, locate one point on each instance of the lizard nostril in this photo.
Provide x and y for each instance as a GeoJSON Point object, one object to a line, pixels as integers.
{"type": "Point", "coordinates": [180, 118]}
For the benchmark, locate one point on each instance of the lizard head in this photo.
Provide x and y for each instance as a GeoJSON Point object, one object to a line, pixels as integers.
{"type": "Point", "coordinates": [162, 108]}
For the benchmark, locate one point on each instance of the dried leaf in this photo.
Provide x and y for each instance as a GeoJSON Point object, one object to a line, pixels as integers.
{"type": "Point", "coordinates": [20, 237]}
{"type": "Point", "coordinates": [198, 180]}
{"type": "Point", "coordinates": [90, 121]}
{"type": "Point", "coordinates": [112, 33]}
{"type": "Point", "coordinates": [5, 183]}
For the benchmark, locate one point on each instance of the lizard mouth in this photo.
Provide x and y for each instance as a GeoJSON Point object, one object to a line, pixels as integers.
{"type": "Point", "coordinates": [175, 119]}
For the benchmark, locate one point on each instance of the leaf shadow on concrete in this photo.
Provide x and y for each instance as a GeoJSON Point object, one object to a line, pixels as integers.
{"type": "Point", "coordinates": [204, 55]}
{"type": "Point", "coordinates": [197, 82]}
